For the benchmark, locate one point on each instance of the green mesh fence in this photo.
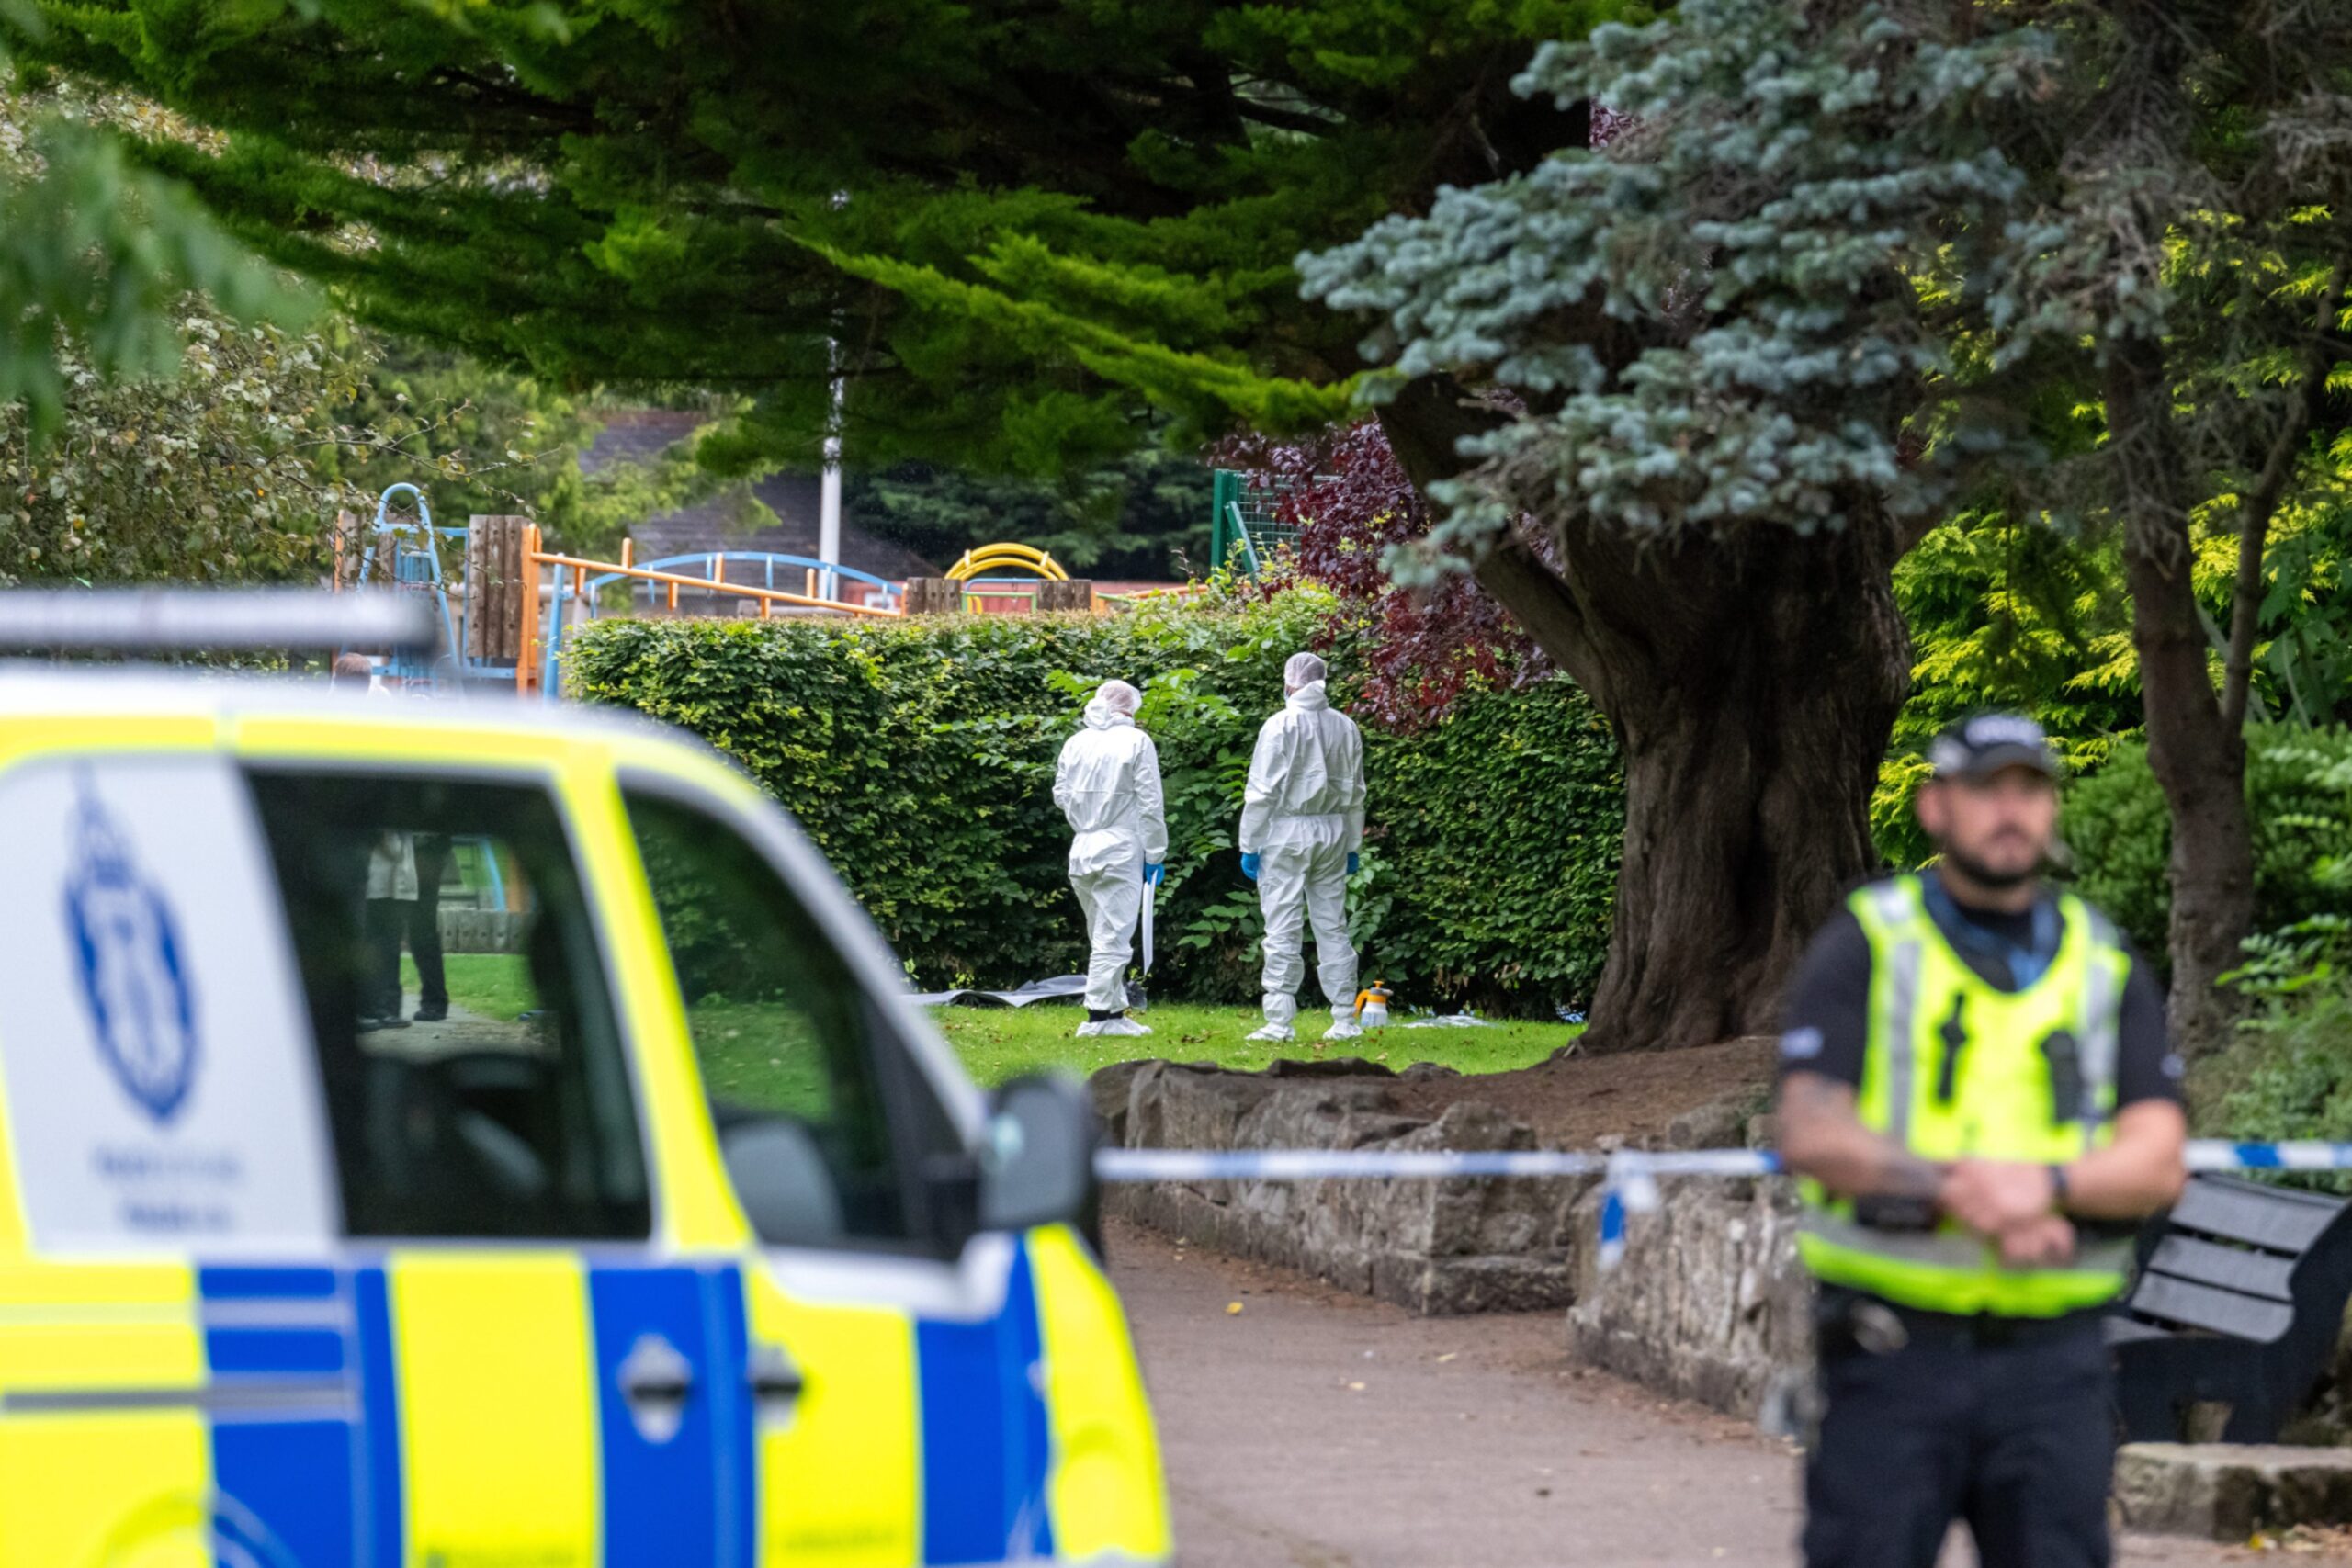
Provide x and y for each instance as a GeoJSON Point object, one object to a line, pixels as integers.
{"type": "Point", "coordinates": [1245, 531]}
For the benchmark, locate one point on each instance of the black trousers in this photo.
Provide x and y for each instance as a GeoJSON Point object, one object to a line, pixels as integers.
{"type": "Point", "coordinates": [380, 988]}
{"type": "Point", "coordinates": [425, 922]}
{"type": "Point", "coordinates": [2016, 1440]}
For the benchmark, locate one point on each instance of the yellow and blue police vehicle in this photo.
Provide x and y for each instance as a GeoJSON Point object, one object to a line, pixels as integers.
{"type": "Point", "coordinates": [680, 1239]}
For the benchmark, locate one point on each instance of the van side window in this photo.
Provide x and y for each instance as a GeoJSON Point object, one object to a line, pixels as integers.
{"type": "Point", "coordinates": [786, 1036]}
{"type": "Point", "coordinates": [476, 1082]}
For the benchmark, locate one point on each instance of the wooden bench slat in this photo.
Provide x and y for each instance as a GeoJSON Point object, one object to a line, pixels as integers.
{"type": "Point", "coordinates": [2274, 1217]}
{"type": "Point", "coordinates": [2249, 1273]}
{"type": "Point", "coordinates": [2204, 1306]}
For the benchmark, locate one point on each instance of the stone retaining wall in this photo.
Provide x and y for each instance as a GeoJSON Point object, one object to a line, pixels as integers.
{"type": "Point", "coordinates": [1708, 1302]}
{"type": "Point", "coordinates": [1432, 1246]}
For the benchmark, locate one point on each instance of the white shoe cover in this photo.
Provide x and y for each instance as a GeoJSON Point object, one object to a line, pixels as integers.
{"type": "Point", "coordinates": [1343, 1029]}
{"type": "Point", "coordinates": [1273, 1032]}
{"type": "Point", "coordinates": [1122, 1025]}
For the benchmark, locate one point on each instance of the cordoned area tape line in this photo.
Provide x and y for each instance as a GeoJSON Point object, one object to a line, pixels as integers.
{"type": "Point", "coordinates": [1629, 1175]}
{"type": "Point", "coordinates": [1622, 1166]}
{"type": "Point", "coordinates": [1431, 1165]}
{"type": "Point", "coordinates": [2215, 1154]}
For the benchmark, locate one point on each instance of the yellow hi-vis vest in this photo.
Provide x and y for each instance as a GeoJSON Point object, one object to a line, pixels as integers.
{"type": "Point", "coordinates": [1957, 1067]}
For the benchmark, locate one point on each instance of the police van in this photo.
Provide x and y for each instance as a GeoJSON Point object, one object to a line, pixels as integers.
{"type": "Point", "coordinates": [680, 1238]}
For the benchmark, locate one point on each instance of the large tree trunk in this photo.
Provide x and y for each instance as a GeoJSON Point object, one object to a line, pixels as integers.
{"type": "Point", "coordinates": [2197, 757]}
{"type": "Point", "coordinates": [1753, 682]}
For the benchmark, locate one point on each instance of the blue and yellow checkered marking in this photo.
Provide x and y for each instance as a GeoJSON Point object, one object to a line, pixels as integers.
{"type": "Point", "coordinates": [308, 1387]}
{"type": "Point", "coordinates": [985, 1442]}
{"type": "Point", "coordinates": [290, 1453]}
{"type": "Point", "coordinates": [308, 1463]}
{"type": "Point", "coordinates": [688, 1498]}
{"type": "Point", "coordinates": [379, 1508]}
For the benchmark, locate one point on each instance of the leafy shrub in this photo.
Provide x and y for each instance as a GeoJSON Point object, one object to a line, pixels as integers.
{"type": "Point", "coordinates": [1419, 650]}
{"type": "Point", "coordinates": [2008, 612]}
{"type": "Point", "coordinates": [919, 757]}
{"type": "Point", "coordinates": [2299, 787]}
{"type": "Point", "coordinates": [2291, 1074]}
{"type": "Point", "coordinates": [1503, 822]}
{"type": "Point", "coordinates": [2287, 1074]}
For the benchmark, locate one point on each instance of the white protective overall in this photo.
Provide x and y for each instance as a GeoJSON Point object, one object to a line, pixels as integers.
{"type": "Point", "coordinates": [1302, 817]}
{"type": "Point", "coordinates": [1107, 784]}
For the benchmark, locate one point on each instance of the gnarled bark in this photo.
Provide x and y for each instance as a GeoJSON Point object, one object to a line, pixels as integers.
{"type": "Point", "coordinates": [2197, 756]}
{"type": "Point", "coordinates": [1753, 681]}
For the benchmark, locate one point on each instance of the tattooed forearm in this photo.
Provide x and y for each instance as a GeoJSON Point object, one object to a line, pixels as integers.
{"type": "Point", "coordinates": [1821, 1137]}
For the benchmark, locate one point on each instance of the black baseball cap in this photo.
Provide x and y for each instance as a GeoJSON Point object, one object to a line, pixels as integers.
{"type": "Point", "coordinates": [1981, 746]}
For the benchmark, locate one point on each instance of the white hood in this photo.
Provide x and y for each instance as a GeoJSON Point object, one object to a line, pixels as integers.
{"type": "Point", "coordinates": [1107, 784]}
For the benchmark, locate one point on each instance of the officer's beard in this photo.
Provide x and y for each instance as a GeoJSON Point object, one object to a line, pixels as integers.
{"type": "Point", "coordinates": [1991, 879]}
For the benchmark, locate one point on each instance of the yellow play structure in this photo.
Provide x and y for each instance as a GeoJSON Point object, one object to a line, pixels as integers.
{"type": "Point", "coordinates": [997, 558]}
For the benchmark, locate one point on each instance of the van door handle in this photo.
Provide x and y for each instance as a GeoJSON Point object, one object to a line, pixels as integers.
{"type": "Point", "coordinates": [775, 1383]}
{"type": "Point", "coordinates": [655, 1381]}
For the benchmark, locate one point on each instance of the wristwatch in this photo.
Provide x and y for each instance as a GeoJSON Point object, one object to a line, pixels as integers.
{"type": "Point", "coordinates": [2057, 1188]}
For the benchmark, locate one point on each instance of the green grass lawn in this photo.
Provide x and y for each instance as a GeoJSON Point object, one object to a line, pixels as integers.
{"type": "Point", "coordinates": [488, 984]}
{"type": "Point", "coordinates": [997, 1044]}
{"type": "Point", "coordinates": [754, 1057]}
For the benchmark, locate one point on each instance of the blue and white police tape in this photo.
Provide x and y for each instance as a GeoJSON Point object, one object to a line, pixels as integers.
{"type": "Point", "coordinates": [1426, 1165]}
{"type": "Point", "coordinates": [1438, 1164]}
{"type": "Point", "coordinates": [1629, 1175]}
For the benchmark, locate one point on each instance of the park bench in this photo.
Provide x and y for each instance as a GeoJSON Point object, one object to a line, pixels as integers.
{"type": "Point", "coordinates": [2239, 1299]}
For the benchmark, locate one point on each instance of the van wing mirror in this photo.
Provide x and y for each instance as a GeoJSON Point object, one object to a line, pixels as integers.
{"type": "Point", "coordinates": [1037, 1155]}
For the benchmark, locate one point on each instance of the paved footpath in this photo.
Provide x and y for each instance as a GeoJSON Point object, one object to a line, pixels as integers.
{"type": "Point", "coordinates": [1314, 1429]}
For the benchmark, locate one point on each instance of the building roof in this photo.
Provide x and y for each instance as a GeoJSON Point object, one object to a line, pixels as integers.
{"type": "Point", "coordinates": [641, 435]}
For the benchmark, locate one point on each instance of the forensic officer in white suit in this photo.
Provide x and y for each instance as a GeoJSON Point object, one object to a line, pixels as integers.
{"type": "Point", "coordinates": [1302, 824]}
{"type": "Point", "coordinates": [1107, 784]}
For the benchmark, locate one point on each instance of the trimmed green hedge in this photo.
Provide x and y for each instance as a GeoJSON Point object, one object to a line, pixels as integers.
{"type": "Point", "coordinates": [919, 756]}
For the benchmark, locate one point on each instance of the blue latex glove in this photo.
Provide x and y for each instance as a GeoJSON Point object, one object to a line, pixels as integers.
{"type": "Point", "coordinates": [1352, 863]}
{"type": "Point", "coordinates": [1249, 866]}
{"type": "Point", "coordinates": [1154, 871]}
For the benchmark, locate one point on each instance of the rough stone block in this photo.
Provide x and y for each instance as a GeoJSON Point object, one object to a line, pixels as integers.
{"type": "Point", "coordinates": [1721, 1123]}
{"type": "Point", "coordinates": [2228, 1491]}
{"type": "Point", "coordinates": [1470, 1245]}
{"type": "Point", "coordinates": [1709, 1301]}
{"type": "Point", "coordinates": [1111, 1088]}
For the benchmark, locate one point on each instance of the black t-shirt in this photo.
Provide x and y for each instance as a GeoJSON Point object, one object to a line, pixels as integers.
{"type": "Point", "coordinates": [1827, 1022]}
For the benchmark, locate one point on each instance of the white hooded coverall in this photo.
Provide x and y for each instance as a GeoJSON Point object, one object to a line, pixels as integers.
{"type": "Point", "coordinates": [1302, 816]}
{"type": "Point", "coordinates": [1107, 784]}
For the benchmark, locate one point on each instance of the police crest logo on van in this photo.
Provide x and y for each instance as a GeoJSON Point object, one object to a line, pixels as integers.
{"type": "Point", "coordinates": [133, 970]}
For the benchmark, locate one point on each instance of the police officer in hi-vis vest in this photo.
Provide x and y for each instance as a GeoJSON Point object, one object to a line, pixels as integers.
{"type": "Point", "coordinates": [1976, 1089]}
